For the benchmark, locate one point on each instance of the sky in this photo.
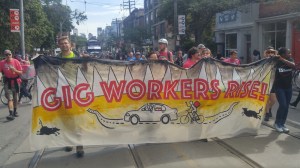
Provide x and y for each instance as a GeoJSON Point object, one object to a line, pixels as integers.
{"type": "Point", "coordinates": [100, 13]}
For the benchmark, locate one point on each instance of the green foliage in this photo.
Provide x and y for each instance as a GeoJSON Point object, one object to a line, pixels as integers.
{"type": "Point", "coordinates": [37, 27]}
{"type": "Point", "coordinates": [79, 40]}
{"type": "Point", "coordinates": [136, 35]}
{"type": "Point", "coordinates": [41, 23]}
{"type": "Point", "coordinates": [200, 16]}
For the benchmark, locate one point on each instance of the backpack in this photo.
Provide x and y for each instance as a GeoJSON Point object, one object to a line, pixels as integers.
{"type": "Point", "coordinates": [168, 56]}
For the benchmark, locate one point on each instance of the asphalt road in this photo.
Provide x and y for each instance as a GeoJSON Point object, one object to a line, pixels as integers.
{"type": "Point", "coordinates": [13, 132]}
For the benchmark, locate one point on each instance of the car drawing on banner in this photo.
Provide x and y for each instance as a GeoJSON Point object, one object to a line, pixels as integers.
{"type": "Point", "coordinates": [151, 112]}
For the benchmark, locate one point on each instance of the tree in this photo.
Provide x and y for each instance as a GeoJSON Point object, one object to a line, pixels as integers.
{"type": "Point", "coordinates": [80, 41]}
{"type": "Point", "coordinates": [61, 18]}
{"type": "Point", "coordinates": [200, 15]}
{"type": "Point", "coordinates": [35, 25]}
{"type": "Point", "coordinates": [40, 23]}
{"type": "Point", "coordinates": [135, 36]}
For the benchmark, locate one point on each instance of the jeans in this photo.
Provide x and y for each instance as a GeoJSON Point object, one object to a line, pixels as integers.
{"type": "Point", "coordinates": [297, 100]}
{"type": "Point", "coordinates": [284, 97]}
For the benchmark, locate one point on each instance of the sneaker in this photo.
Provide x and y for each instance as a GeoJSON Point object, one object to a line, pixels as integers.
{"type": "Point", "coordinates": [278, 128]}
{"type": "Point", "coordinates": [68, 148]}
{"type": "Point", "coordinates": [285, 130]}
{"type": "Point", "coordinates": [30, 102]}
{"type": "Point", "coordinates": [292, 106]}
{"type": "Point", "coordinates": [79, 151]}
{"type": "Point", "coordinates": [267, 116]}
{"type": "Point", "coordinates": [16, 114]}
{"type": "Point", "coordinates": [10, 117]}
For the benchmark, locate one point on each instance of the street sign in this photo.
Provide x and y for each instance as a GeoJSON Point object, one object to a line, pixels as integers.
{"type": "Point", "coordinates": [14, 20]}
{"type": "Point", "coordinates": [181, 24]}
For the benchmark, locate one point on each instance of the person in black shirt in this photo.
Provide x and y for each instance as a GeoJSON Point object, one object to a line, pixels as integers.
{"type": "Point", "coordinates": [283, 88]}
{"type": "Point", "coordinates": [179, 59]}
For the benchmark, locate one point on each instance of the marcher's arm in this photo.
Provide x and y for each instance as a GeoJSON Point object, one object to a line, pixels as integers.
{"type": "Point", "coordinates": [287, 62]}
{"type": "Point", "coordinates": [16, 71]}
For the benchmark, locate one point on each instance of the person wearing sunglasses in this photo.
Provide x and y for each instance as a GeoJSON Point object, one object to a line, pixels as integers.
{"type": "Point", "coordinates": [11, 69]}
{"type": "Point", "coordinates": [66, 52]}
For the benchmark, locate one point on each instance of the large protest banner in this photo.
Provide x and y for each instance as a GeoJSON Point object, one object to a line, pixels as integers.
{"type": "Point", "coordinates": [96, 102]}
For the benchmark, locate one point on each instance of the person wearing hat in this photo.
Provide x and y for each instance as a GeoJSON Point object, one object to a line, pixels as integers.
{"type": "Point", "coordinates": [138, 56]}
{"type": "Point", "coordinates": [164, 53]}
{"type": "Point", "coordinates": [11, 69]}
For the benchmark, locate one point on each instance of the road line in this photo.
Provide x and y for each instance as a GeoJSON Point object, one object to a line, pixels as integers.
{"type": "Point", "coordinates": [36, 158]}
{"type": "Point", "coordinates": [237, 153]}
{"type": "Point", "coordinates": [136, 157]}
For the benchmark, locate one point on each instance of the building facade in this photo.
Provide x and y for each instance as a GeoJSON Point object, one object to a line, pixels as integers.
{"type": "Point", "coordinates": [257, 26]}
{"type": "Point", "coordinates": [157, 28]}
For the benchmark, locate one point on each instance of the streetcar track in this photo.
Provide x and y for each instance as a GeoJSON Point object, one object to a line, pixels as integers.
{"type": "Point", "coordinates": [137, 160]}
{"type": "Point", "coordinates": [237, 153]}
{"type": "Point", "coordinates": [139, 164]}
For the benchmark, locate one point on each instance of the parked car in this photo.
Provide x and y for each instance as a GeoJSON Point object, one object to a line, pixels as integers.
{"type": "Point", "coordinates": [151, 112]}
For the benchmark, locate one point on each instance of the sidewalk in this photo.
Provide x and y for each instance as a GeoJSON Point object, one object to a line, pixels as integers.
{"type": "Point", "coordinates": [266, 149]}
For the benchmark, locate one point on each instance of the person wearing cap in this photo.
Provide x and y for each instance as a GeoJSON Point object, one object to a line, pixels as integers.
{"type": "Point", "coordinates": [138, 56]}
{"type": "Point", "coordinates": [233, 59]}
{"type": "Point", "coordinates": [11, 69]}
{"type": "Point", "coordinates": [164, 53]}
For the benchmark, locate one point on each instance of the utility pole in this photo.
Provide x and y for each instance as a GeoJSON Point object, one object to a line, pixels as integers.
{"type": "Point", "coordinates": [22, 29]}
{"type": "Point", "coordinates": [129, 4]}
{"type": "Point", "coordinates": [175, 23]}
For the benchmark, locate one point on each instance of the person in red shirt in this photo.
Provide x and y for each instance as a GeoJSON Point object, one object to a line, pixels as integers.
{"type": "Point", "coordinates": [193, 57]}
{"type": "Point", "coordinates": [11, 69]}
{"type": "Point", "coordinates": [164, 53]}
{"type": "Point", "coordinates": [233, 59]}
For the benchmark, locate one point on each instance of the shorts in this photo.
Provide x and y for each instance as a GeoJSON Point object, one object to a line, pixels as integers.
{"type": "Point", "coordinates": [10, 94]}
{"type": "Point", "coordinates": [273, 89]}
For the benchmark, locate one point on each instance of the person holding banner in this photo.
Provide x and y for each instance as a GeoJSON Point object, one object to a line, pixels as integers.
{"type": "Point", "coordinates": [233, 59]}
{"type": "Point", "coordinates": [272, 98]}
{"type": "Point", "coordinates": [66, 52]}
{"type": "Point", "coordinates": [11, 69]}
{"type": "Point", "coordinates": [283, 88]}
{"type": "Point", "coordinates": [152, 56]}
{"type": "Point", "coordinates": [205, 53]}
{"type": "Point", "coordinates": [193, 58]}
{"type": "Point", "coordinates": [164, 53]}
